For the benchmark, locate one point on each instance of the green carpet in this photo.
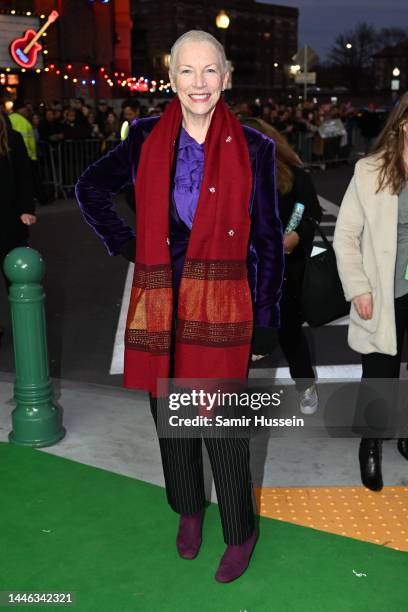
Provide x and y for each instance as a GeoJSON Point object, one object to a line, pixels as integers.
{"type": "Point", "coordinates": [110, 539]}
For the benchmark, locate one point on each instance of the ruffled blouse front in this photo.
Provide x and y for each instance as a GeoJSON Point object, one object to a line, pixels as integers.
{"type": "Point", "coordinates": [188, 177]}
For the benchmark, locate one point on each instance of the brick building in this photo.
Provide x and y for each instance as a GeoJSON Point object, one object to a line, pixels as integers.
{"type": "Point", "coordinates": [88, 40]}
{"type": "Point", "coordinates": [260, 40]}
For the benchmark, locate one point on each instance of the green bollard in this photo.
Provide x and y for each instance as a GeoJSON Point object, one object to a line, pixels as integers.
{"type": "Point", "coordinates": [36, 421]}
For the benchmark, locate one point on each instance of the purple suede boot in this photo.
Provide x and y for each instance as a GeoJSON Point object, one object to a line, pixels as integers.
{"type": "Point", "coordinates": [236, 559]}
{"type": "Point", "coordinates": [189, 535]}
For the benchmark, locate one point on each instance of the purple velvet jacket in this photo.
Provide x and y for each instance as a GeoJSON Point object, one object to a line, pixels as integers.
{"type": "Point", "coordinates": [97, 185]}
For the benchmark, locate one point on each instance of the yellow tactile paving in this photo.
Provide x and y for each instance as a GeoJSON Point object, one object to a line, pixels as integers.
{"type": "Point", "coordinates": [355, 512]}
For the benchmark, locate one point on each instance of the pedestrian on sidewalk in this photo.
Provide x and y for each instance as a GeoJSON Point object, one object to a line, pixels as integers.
{"type": "Point", "coordinates": [20, 121]}
{"type": "Point", "coordinates": [371, 245]}
{"type": "Point", "coordinates": [17, 199]}
{"type": "Point", "coordinates": [294, 186]}
{"type": "Point", "coordinates": [205, 191]}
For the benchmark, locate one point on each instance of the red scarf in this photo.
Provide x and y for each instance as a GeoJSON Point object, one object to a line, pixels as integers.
{"type": "Point", "coordinates": [214, 318]}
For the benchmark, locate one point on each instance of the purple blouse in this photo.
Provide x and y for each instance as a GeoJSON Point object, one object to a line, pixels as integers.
{"type": "Point", "coordinates": [188, 177]}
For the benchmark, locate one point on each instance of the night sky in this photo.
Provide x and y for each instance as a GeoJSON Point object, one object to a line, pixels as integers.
{"type": "Point", "coordinates": [321, 20]}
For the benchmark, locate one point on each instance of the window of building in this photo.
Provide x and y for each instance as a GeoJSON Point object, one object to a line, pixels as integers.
{"type": "Point", "coordinates": [157, 61]}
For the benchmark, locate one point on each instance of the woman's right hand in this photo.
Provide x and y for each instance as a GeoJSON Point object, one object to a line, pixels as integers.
{"type": "Point", "coordinates": [364, 305]}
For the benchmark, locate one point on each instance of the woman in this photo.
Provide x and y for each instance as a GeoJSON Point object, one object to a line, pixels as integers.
{"type": "Point", "coordinates": [112, 127]}
{"type": "Point", "coordinates": [294, 186]}
{"type": "Point", "coordinates": [190, 287]}
{"type": "Point", "coordinates": [95, 131]}
{"type": "Point", "coordinates": [17, 200]}
{"type": "Point", "coordinates": [371, 244]}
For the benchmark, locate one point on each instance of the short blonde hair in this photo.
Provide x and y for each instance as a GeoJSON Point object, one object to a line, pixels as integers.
{"type": "Point", "coordinates": [197, 36]}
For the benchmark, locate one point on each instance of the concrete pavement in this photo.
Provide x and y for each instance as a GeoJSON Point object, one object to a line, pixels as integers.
{"type": "Point", "coordinates": [111, 428]}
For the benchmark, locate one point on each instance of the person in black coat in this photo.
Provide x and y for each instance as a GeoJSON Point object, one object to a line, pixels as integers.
{"type": "Point", "coordinates": [294, 186]}
{"type": "Point", "coordinates": [16, 185]}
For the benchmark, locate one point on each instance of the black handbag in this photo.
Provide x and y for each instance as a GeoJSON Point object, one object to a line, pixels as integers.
{"type": "Point", "coordinates": [323, 298]}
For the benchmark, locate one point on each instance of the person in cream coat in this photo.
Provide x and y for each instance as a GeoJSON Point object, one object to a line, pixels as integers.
{"type": "Point", "coordinates": [371, 246]}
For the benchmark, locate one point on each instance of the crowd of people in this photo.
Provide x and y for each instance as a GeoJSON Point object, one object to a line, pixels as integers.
{"type": "Point", "coordinates": [301, 123]}
{"type": "Point", "coordinates": [79, 120]}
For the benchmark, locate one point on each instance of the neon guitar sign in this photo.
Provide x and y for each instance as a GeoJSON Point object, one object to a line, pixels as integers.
{"type": "Point", "coordinates": [24, 51]}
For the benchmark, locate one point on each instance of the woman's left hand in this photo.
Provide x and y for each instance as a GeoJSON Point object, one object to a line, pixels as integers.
{"type": "Point", "coordinates": [28, 219]}
{"type": "Point", "coordinates": [290, 242]}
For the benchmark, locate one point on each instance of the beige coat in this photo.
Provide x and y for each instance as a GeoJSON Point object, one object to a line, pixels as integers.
{"type": "Point", "coordinates": [365, 242]}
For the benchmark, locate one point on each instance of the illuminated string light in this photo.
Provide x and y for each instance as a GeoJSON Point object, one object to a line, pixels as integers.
{"type": "Point", "coordinates": [140, 84]}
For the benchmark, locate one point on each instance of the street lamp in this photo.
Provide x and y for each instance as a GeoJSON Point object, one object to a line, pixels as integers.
{"type": "Point", "coordinates": [395, 83]}
{"type": "Point", "coordinates": [294, 69]}
{"type": "Point", "coordinates": [222, 22]}
{"type": "Point", "coordinates": [349, 46]}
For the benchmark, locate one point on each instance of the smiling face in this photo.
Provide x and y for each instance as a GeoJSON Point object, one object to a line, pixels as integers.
{"type": "Point", "coordinates": [198, 78]}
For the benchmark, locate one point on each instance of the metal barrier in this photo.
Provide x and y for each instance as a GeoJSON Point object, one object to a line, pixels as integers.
{"type": "Point", "coordinates": [321, 152]}
{"type": "Point", "coordinates": [46, 166]}
{"type": "Point", "coordinates": [62, 163]}
{"type": "Point", "coordinates": [74, 156]}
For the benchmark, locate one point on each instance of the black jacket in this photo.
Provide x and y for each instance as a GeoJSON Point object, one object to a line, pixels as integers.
{"type": "Point", "coordinates": [303, 191]}
{"type": "Point", "coordinates": [16, 193]}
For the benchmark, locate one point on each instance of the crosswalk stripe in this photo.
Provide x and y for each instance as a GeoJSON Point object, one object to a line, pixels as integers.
{"type": "Point", "coordinates": [119, 346]}
{"type": "Point", "coordinates": [320, 241]}
{"type": "Point", "coordinates": [281, 375]}
{"type": "Point", "coordinates": [328, 207]}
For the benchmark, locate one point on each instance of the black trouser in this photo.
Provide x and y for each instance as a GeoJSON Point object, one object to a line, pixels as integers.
{"type": "Point", "coordinates": [38, 186]}
{"type": "Point", "coordinates": [6, 280]}
{"type": "Point", "coordinates": [381, 366]}
{"type": "Point", "coordinates": [184, 477]}
{"type": "Point", "coordinates": [292, 340]}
